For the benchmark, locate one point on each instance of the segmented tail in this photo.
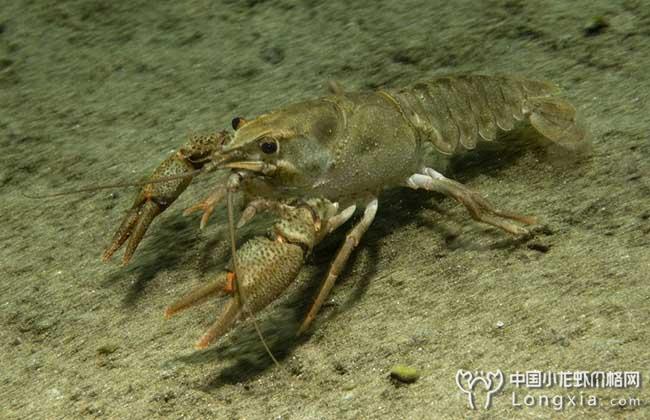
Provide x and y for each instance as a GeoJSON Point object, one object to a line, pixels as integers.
{"type": "Point", "coordinates": [454, 113]}
{"type": "Point", "coordinates": [555, 119]}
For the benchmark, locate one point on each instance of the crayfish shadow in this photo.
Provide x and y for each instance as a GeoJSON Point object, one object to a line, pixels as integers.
{"type": "Point", "coordinates": [491, 158]}
{"type": "Point", "coordinates": [244, 350]}
{"type": "Point", "coordinates": [165, 248]}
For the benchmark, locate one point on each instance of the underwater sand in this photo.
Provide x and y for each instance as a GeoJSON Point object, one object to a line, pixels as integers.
{"type": "Point", "coordinates": [95, 92]}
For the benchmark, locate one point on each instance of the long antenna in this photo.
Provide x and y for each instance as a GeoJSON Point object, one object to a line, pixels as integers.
{"type": "Point", "coordinates": [238, 293]}
{"type": "Point", "coordinates": [93, 188]}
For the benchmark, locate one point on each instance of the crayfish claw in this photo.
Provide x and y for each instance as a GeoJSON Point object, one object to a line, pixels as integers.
{"type": "Point", "coordinates": [133, 228]}
{"type": "Point", "coordinates": [266, 266]}
{"type": "Point", "coordinates": [217, 287]}
{"type": "Point", "coordinates": [121, 235]}
{"type": "Point", "coordinates": [222, 325]}
{"type": "Point", "coordinates": [152, 200]}
{"type": "Point", "coordinates": [146, 215]}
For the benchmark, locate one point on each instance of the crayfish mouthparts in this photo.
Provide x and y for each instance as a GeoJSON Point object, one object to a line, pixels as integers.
{"type": "Point", "coordinates": [253, 166]}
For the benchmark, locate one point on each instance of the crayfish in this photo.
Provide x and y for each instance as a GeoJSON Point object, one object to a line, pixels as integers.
{"type": "Point", "coordinates": [305, 161]}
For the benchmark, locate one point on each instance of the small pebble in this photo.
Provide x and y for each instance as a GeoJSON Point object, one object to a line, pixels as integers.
{"type": "Point", "coordinates": [348, 396]}
{"type": "Point", "coordinates": [107, 349]}
{"type": "Point", "coordinates": [405, 374]}
{"type": "Point", "coordinates": [500, 324]}
{"type": "Point", "coordinates": [597, 26]}
{"type": "Point", "coordinates": [539, 247]}
{"type": "Point", "coordinates": [272, 55]}
{"type": "Point", "coordinates": [54, 394]}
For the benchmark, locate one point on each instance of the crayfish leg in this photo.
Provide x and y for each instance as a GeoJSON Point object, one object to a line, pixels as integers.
{"type": "Point", "coordinates": [351, 241]}
{"type": "Point", "coordinates": [479, 208]}
{"type": "Point", "coordinates": [208, 205]}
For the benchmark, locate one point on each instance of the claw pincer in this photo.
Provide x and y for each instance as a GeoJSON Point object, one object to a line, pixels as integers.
{"type": "Point", "coordinates": [154, 198]}
{"type": "Point", "coordinates": [267, 267]}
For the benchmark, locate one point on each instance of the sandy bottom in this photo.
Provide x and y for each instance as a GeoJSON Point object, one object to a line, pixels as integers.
{"type": "Point", "coordinates": [95, 92]}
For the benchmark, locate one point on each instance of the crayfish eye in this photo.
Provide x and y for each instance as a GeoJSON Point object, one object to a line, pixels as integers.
{"type": "Point", "coordinates": [269, 146]}
{"type": "Point", "coordinates": [238, 122]}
